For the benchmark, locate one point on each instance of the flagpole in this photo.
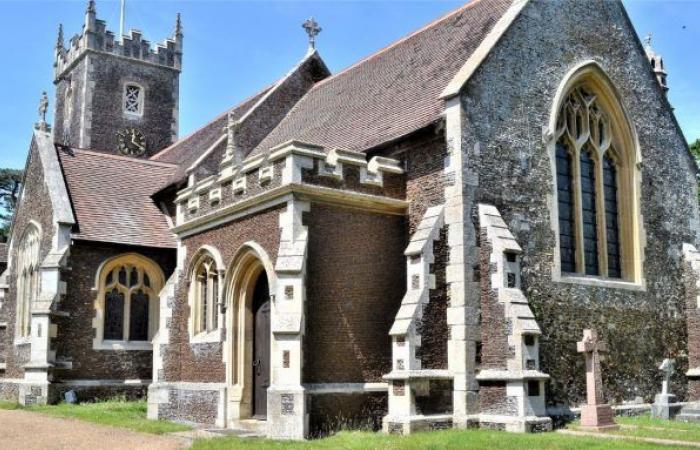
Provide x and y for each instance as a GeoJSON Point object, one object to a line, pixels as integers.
{"type": "Point", "coordinates": [121, 22]}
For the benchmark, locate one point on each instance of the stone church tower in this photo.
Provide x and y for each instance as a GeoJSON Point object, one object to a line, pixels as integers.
{"type": "Point", "coordinates": [116, 94]}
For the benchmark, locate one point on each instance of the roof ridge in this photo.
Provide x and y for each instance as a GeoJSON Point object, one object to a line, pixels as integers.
{"type": "Point", "coordinates": [122, 158]}
{"type": "Point", "coordinates": [397, 42]}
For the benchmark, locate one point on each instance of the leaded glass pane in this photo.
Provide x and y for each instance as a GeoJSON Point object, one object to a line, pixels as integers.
{"type": "Point", "coordinates": [566, 210]}
{"type": "Point", "coordinates": [114, 315]}
{"type": "Point", "coordinates": [588, 209]}
{"type": "Point", "coordinates": [138, 318]}
{"type": "Point", "coordinates": [612, 226]}
{"type": "Point", "coordinates": [133, 277]}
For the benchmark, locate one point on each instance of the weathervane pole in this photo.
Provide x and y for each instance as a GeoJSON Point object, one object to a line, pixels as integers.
{"type": "Point", "coordinates": [121, 21]}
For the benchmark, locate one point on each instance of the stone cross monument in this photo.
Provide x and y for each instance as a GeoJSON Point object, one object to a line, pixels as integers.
{"type": "Point", "coordinates": [665, 406]}
{"type": "Point", "coordinates": [596, 415]}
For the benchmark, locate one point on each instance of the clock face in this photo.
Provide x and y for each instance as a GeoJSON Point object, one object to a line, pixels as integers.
{"type": "Point", "coordinates": [131, 142]}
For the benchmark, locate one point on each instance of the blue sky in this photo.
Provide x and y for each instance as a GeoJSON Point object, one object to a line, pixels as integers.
{"type": "Point", "coordinates": [234, 48]}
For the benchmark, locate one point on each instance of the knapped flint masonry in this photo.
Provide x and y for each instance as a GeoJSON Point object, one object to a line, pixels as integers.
{"type": "Point", "coordinates": [413, 243]}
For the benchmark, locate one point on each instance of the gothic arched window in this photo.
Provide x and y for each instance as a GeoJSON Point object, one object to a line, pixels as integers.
{"type": "Point", "coordinates": [27, 278]}
{"type": "Point", "coordinates": [594, 186]}
{"type": "Point", "coordinates": [127, 302]}
{"type": "Point", "coordinates": [204, 294]}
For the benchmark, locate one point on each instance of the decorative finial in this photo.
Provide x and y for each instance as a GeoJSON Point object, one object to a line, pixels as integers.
{"type": "Point", "coordinates": [647, 40]}
{"type": "Point", "coordinates": [43, 107]}
{"type": "Point", "coordinates": [59, 39]}
{"type": "Point", "coordinates": [178, 25]}
{"type": "Point", "coordinates": [232, 137]}
{"type": "Point", "coordinates": [91, 7]}
{"type": "Point", "coordinates": [312, 29]}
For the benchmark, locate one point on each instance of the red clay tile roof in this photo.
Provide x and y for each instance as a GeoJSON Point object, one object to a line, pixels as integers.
{"type": "Point", "coordinates": [188, 149]}
{"type": "Point", "coordinates": [393, 92]}
{"type": "Point", "coordinates": [111, 198]}
{"type": "Point", "coordinates": [3, 252]}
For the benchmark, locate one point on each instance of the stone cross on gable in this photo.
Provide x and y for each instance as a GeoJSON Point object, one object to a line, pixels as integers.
{"type": "Point", "coordinates": [312, 29]}
{"type": "Point", "coordinates": [667, 368]}
{"type": "Point", "coordinates": [592, 346]}
{"type": "Point", "coordinates": [647, 40]}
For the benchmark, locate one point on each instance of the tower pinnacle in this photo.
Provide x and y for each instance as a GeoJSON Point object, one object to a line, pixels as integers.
{"type": "Point", "coordinates": [657, 63]}
{"type": "Point", "coordinates": [312, 29]}
{"type": "Point", "coordinates": [59, 38]}
{"type": "Point", "coordinates": [90, 16]}
{"type": "Point", "coordinates": [178, 26]}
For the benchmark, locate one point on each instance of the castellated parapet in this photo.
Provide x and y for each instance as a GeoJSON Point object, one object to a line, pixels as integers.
{"type": "Point", "coordinates": [95, 37]}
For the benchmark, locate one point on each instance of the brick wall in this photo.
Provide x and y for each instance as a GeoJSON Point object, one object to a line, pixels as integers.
{"type": "Point", "coordinates": [75, 332]}
{"type": "Point", "coordinates": [203, 362]}
{"type": "Point", "coordinates": [494, 333]}
{"type": "Point", "coordinates": [355, 282]}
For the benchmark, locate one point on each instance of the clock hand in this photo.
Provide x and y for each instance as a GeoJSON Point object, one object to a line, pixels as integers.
{"type": "Point", "coordinates": [133, 141]}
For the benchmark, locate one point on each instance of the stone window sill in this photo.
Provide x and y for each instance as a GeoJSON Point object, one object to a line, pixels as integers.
{"type": "Point", "coordinates": [122, 345]}
{"type": "Point", "coordinates": [601, 282]}
{"type": "Point", "coordinates": [206, 337]}
{"type": "Point", "coordinates": [23, 340]}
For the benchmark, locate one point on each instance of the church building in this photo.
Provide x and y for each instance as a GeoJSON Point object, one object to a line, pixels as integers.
{"type": "Point", "coordinates": [416, 242]}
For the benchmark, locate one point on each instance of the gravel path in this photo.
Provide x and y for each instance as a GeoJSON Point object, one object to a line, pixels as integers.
{"type": "Point", "coordinates": [27, 431]}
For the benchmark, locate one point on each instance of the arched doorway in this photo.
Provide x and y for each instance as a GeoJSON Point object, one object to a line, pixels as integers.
{"type": "Point", "coordinates": [250, 281]}
{"type": "Point", "coordinates": [261, 346]}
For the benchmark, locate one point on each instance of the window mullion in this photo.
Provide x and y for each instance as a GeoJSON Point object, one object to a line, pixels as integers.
{"type": "Point", "coordinates": [578, 210]}
{"type": "Point", "coordinates": [600, 213]}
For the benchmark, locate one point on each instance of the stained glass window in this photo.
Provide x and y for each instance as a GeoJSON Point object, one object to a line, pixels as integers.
{"type": "Point", "coordinates": [27, 278]}
{"type": "Point", "coordinates": [205, 295]}
{"type": "Point", "coordinates": [114, 315]}
{"type": "Point", "coordinates": [567, 237]}
{"type": "Point", "coordinates": [128, 291]}
{"type": "Point", "coordinates": [588, 207]}
{"type": "Point", "coordinates": [138, 317]}
{"type": "Point", "coordinates": [587, 187]}
{"type": "Point", "coordinates": [612, 226]}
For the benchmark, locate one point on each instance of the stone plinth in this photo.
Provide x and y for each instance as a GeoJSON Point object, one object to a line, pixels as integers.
{"type": "Point", "coordinates": [598, 417]}
{"type": "Point", "coordinates": [665, 407]}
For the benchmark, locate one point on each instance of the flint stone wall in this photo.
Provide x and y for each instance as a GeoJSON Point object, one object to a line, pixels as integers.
{"type": "Point", "coordinates": [507, 102]}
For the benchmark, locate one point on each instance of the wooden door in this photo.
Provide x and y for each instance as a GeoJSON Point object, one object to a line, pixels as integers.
{"type": "Point", "coordinates": [261, 347]}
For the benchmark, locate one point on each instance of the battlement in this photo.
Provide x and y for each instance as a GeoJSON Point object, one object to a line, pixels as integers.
{"type": "Point", "coordinates": [96, 37]}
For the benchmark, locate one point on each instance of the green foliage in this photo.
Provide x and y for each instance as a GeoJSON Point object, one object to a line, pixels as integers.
{"type": "Point", "coordinates": [695, 149]}
{"type": "Point", "coordinates": [10, 182]}
{"type": "Point", "coordinates": [116, 413]}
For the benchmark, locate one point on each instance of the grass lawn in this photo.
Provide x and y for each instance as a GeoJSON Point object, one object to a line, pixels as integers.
{"type": "Point", "coordinates": [437, 440]}
{"type": "Point", "coordinates": [645, 426]}
{"type": "Point", "coordinates": [116, 413]}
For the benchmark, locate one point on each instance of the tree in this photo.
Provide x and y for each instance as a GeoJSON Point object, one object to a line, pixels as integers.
{"type": "Point", "coordinates": [695, 149]}
{"type": "Point", "coordinates": [10, 182]}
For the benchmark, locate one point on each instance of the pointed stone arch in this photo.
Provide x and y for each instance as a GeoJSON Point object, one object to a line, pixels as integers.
{"type": "Point", "coordinates": [249, 264]}
{"type": "Point", "coordinates": [588, 82]}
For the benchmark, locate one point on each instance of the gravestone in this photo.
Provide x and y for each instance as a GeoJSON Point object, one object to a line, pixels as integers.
{"type": "Point", "coordinates": [665, 406]}
{"type": "Point", "coordinates": [596, 415]}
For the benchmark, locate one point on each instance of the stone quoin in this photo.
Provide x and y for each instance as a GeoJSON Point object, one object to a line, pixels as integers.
{"type": "Point", "coordinates": [413, 243]}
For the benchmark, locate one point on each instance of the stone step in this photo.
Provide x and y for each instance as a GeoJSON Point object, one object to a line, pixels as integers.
{"type": "Point", "coordinates": [689, 416]}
